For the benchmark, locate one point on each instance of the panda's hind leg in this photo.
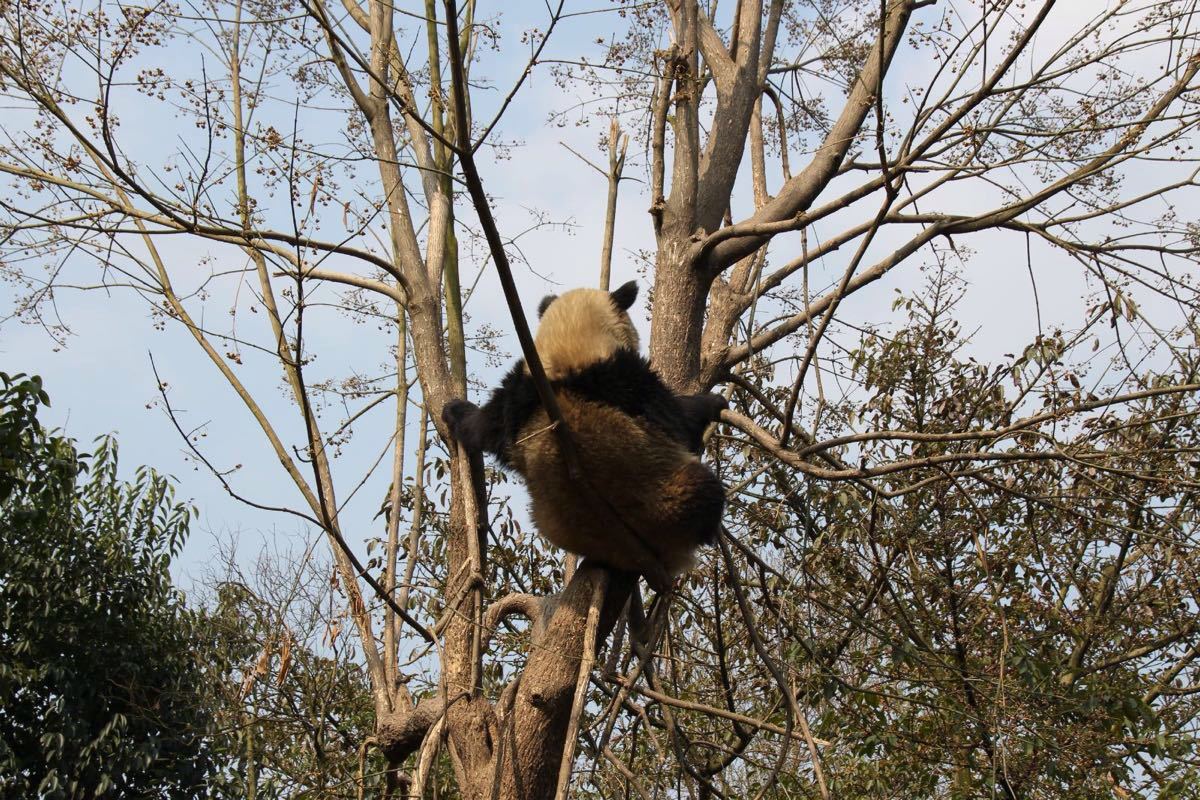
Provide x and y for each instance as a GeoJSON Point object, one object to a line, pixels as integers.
{"type": "Point", "coordinates": [693, 502]}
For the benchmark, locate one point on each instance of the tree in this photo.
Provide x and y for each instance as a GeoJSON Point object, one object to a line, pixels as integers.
{"type": "Point", "coordinates": [293, 692]}
{"type": "Point", "coordinates": [948, 571]}
{"type": "Point", "coordinates": [105, 692]}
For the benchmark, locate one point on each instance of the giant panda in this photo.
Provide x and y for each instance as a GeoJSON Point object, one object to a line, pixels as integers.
{"type": "Point", "coordinates": [646, 502]}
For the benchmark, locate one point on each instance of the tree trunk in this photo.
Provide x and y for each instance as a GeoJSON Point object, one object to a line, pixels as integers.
{"type": "Point", "coordinates": [533, 731]}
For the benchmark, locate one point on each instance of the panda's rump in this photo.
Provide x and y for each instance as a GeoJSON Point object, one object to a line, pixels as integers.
{"type": "Point", "coordinates": [642, 494]}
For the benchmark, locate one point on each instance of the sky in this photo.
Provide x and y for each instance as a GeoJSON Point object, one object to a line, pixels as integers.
{"type": "Point", "coordinates": [101, 382]}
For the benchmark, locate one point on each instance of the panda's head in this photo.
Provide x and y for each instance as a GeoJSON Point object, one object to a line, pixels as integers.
{"type": "Point", "coordinates": [584, 326]}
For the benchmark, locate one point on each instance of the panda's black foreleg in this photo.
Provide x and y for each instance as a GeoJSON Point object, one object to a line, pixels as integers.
{"type": "Point", "coordinates": [698, 411]}
{"type": "Point", "coordinates": [467, 424]}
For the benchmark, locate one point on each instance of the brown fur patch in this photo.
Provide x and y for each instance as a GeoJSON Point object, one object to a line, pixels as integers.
{"type": "Point", "coordinates": [643, 495]}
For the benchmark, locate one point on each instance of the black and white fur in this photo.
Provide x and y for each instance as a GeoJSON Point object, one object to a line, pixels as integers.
{"type": "Point", "coordinates": [646, 502]}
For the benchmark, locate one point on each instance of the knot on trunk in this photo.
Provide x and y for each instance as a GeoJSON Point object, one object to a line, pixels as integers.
{"type": "Point", "coordinates": [399, 733]}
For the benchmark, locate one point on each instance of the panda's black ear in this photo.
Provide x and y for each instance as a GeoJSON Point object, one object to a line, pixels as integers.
{"type": "Point", "coordinates": [624, 295]}
{"type": "Point", "coordinates": [546, 301]}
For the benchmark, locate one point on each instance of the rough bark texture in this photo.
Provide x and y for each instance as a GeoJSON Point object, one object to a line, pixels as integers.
{"type": "Point", "coordinates": [680, 294]}
{"type": "Point", "coordinates": [532, 731]}
{"type": "Point", "coordinates": [399, 734]}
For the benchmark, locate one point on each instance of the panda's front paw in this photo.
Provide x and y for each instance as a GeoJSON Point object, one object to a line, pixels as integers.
{"type": "Point", "coordinates": [456, 413]}
{"type": "Point", "coordinates": [715, 404]}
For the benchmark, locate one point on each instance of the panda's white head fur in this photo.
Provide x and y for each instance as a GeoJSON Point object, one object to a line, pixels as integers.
{"type": "Point", "coordinates": [584, 326]}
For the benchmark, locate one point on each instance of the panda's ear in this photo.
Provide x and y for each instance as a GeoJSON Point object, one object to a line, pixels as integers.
{"type": "Point", "coordinates": [624, 295]}
{"type": "Point", "coordinates": [546, 301]}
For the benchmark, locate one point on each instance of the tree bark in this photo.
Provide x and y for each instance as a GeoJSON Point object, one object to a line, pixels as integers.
{"type": "Point", "coordinates": [533, 729]}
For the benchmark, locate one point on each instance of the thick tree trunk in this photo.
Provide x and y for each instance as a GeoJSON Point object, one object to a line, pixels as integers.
{"type": "Point", "coordinates": [533, 731]}
{"type": "Point", "coordinates": [677, 316]}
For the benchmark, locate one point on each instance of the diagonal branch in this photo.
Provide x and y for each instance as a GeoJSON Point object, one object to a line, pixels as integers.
{"type": "Point", "coordinates": [798, 194]}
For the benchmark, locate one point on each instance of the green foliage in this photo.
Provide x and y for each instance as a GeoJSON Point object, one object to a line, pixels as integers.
{"type": "Point", "coordinates": [103, 689]}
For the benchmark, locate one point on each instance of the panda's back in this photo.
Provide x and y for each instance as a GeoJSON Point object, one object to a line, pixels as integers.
{"type": "Point", "coordinates": [639, 486]}
{"type": "Point", "coordinates": [625, 382]}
